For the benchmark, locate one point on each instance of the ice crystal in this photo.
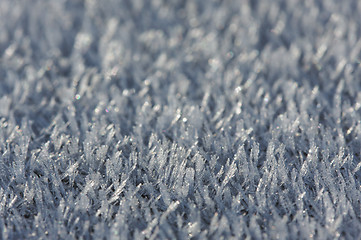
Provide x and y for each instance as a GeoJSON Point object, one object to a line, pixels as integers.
{"type": "Point", "coordinates": [180, 119]}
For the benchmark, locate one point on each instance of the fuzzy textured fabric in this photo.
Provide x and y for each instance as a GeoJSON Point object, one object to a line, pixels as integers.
{"type": "Point", "coordinates": [180, 119]}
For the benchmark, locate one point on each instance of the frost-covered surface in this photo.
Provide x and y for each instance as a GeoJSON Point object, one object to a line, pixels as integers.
{"type": "Point", "coordinates": [180, 119]}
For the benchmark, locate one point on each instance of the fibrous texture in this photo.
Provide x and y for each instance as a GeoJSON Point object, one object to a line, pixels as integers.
{"type": "Point", "coordinates": [180, 119]}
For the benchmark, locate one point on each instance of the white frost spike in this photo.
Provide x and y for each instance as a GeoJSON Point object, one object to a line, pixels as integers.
{"type": "Point", "coordinates": [5, 102]}
{"type": "Point", "coordinates": [172, 207]}
{"type": "Point", "coordinates": [230, 174]}
{"type": "Point", "coordinates": [165, 194]}
{"type": "Point", "coordinates": [119, 190]}
{"type": "Point", "coordinates": [188, 181]}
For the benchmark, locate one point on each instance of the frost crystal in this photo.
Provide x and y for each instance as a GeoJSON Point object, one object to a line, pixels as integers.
{"type": "Point", "coordinates": [151, 119]}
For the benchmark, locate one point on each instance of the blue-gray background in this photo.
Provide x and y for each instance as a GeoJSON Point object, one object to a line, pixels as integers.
{"type": "Point", "coordinates": [180, 119]}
